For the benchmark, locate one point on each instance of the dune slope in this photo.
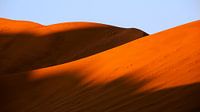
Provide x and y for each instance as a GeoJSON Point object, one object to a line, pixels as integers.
{"type": "Point", "coordinates": [159, 72]}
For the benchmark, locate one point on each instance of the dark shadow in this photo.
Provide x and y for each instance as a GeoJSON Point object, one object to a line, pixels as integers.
{"type": "Point", "coordinates": [23, 52]}
{"type": "Point", "coordinates": [67, 93]}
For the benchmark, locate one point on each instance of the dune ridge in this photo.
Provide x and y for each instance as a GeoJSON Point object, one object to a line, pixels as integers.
{"type": "Point", "coordinates": [159, 72]}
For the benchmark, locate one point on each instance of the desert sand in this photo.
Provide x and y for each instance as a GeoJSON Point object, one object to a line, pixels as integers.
{"type": "Point", "coordinates": [92, 67]}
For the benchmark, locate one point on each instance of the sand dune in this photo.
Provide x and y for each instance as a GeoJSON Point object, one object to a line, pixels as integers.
{"type": "Point", "coordinates": [83, 67]}
{"type": "Point", "coordinates": [56, 44]}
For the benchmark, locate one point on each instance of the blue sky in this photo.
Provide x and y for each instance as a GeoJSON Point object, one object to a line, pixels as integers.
{"type": "Point", "coordinates": [150, 15]}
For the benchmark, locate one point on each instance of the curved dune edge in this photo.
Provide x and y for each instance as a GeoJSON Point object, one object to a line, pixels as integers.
{"type": "Point", "coordinates": [23, 43]}
{"type": "Point", "coordinates": [159, 72]}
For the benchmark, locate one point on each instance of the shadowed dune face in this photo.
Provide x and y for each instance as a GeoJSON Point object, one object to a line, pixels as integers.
{"type": "Point", "coordinates": [56, 44]}
{"type": "Point", "coordinates": [66, 93]}
{"type": "Point", "coordinates": [156, 73]}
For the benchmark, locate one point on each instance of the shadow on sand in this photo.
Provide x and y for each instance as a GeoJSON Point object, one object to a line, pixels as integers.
{"type": "Point", "coordinates": [67, 93]}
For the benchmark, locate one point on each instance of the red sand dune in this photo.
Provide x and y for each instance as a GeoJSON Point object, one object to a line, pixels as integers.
{"type": "Point", "coordinates": [83, 67]}
{"type": "Point", "coordinates": [55, 44]}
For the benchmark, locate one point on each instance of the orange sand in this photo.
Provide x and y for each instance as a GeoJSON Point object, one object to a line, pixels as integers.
{"type": "Point", "coordinates": [83, 67]}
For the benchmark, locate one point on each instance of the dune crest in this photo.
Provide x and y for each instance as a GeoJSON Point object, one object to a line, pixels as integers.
{"type": "Point", "coordinates": [159, 72]}
{"type": "Point", "coordinates": [14, 26]}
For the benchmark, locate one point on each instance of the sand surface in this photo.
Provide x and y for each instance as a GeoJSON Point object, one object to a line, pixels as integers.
{"type": "Point", "coordinates": [92, 67]}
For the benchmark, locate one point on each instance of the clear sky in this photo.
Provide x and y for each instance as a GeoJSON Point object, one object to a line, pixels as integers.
{"type": "Point", "coordinates": [150, 15]}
